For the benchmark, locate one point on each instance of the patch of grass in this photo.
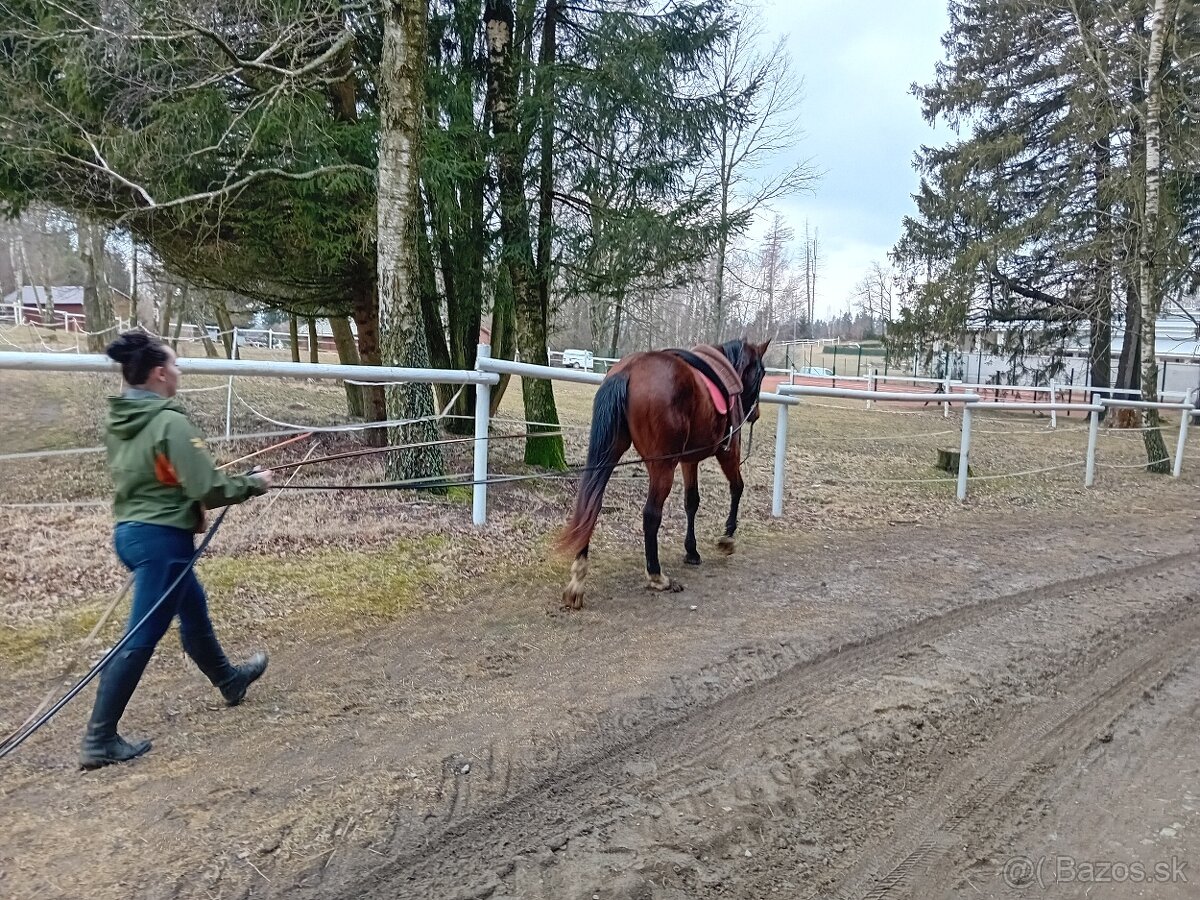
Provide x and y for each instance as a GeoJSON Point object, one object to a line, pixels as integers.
{"type": "Point", "coordinates": [22, 646]}
{"type": "Point", "coordinates": [51, 412]}
{"type": "Point", "coordinates": [340, 587]}
{"type": "Point", "coordinates": [460, 494]}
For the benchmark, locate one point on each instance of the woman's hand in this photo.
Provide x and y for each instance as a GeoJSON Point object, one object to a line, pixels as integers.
{"type": "Point", "coordinates": [264, 476]}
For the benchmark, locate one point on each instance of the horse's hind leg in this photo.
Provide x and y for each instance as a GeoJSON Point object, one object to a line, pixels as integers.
{"type": "Point", "coordinates": [573, 594]}
{"type": "Point", "coordinates": [661, 476]}
{"type": "Point", "coordinates": [589, 502]}
{"type": "Point", "coordinates": [692, 503]}
{"type": "Point", "coordinates": [731, 465]}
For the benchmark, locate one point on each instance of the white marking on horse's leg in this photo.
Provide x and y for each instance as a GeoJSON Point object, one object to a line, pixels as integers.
{"type": "Point", "coordinates": [659, 582]}
{"type": "Point", "coordinates": [573, 595]}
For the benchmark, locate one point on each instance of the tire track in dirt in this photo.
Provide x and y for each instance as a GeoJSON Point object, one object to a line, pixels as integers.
{"type": "Point", "coordinates": [509, 842]}
{"type": "Point", "coordinates": [913, 862]}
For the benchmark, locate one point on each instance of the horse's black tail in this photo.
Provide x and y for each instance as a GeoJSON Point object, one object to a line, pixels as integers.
{"type": "Point", "coordinates": [609, 439]}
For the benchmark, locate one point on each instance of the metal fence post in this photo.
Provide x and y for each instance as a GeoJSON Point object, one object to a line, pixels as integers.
{"type": "Point", "coordinates": [781, 429]}
{"type": "Point", "coordinates": [1184, 415]}
{"type": "Point", "coordinates": [1093, 432]}
{"type": "Point", "coordinates": [946, 405]}
{"type": "Point", "coordinates": [1053, 400]}
{"type": "Point", "coordinates": [964, 453]}
{"type": "Point", "coordinates": [233, 354]}
{"type": "Point", "coordinates": [483, 401]}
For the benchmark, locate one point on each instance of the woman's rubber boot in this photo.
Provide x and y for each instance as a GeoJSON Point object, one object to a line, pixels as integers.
{"type": "Point", "coordinates": [234, 690]}
{"type": "Point", "coordinates": [102, 746]}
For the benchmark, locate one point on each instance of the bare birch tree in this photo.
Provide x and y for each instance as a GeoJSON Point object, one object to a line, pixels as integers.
{"type": "Point", "coordinates": [402, 335]}
{"type": "Point", "coordinates": [1149, 257]}
{"type": "Point", "coordinates": [874, 294]}
{"type": "Point", "coordinates": [761, 94]}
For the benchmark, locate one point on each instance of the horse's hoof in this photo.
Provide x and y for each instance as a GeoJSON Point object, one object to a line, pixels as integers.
{"type": "Point", "coordinates": [692, 559]}
{"type": "Point", "coordinates": [661, 582]}
{"type": "Point", "coordinates": [571, 600]}
{"type": "Point", "coordinates": [725, 545]}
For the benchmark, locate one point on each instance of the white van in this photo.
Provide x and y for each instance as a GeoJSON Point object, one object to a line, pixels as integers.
{"type": "Point", "coordinates": [578, 359]}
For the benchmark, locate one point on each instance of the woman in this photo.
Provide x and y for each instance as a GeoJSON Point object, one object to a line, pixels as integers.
{"type": "Point", "coordinates": [164, 481]}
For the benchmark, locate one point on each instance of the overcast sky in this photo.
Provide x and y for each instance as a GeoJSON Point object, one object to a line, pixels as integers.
{"type": "Point", "coordinates": [861, 123]}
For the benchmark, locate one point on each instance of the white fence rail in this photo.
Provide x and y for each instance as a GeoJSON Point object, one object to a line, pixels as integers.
{"type": "Point", "coordinates": [98, 362]}
{"type": "Point", "coordinates": [488, 371]}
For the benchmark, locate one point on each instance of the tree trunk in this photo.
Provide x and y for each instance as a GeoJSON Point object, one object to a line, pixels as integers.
{"type": "Point", "coordinates": [46, 295]}
{"type": "Point", "coordinates": [718, 330]}
{"type": "Point", "coordinates": [224, 324]}
{"type": "Point", "coordinates": [539, 394]}
{"type": "Point", "coordinates": [431, 320]}
{"type": "Point", "coordinates": [164, 314]}
{"type": "Point", "coordinates": [314, 346]}
{"type": "Point", "coordinates": [722, 237]}
{"type": "Point", "coordinates": [97, 299]}
{"type": "Point", "coordinates": [43, 298]}
{"type": "Point", "coordinates": [9, 280]}
{"type": "Point", "coordinates": [517, 254]}
{"type": "Point", "coordinates": [1100, 311]}
{"type": "Point", "coordinates": [210, 349]}
{"type": "Point", "coordinates": [1129, 365]}
{"type": "Point", "coordinates": [181, 314]}
{"type": "Point", "coordinates": [504, 330]}
{"type": "Point", "coordinates": [460, 250]}
{"type": "Point", "coordinates": [17, 274]}
{"type": "Point", "coordinates": [1157, 458]}
{"type": "Point", "coordinates": [347, 350]}
{"type": "Point", "coordinates": [1100, 349]}
{"type": "Point", "coordinates": [365, 309]}
{"type": "Point", "coordinates": [362, 401]}
{"type": "Point", "coordinates": [134, 313]}
{"type": "Point", "coordinates": [402, 337]}
{"type": "Point", "coordinates": [618, 311]}
{"type": "Point", "coordinates": [456, 243]}
{"type": "Point", "coordinates": [294, 336]}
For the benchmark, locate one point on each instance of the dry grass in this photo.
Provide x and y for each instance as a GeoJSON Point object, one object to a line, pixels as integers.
{"type": "Point", "coordinates": [315, 563]}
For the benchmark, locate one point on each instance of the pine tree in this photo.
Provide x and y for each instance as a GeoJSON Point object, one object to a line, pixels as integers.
{"type": "Point", "coordinates": [1039, 214]}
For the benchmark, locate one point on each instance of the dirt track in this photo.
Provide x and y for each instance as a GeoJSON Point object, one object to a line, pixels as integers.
{"type": "Point", "coordinates": [882, 714]}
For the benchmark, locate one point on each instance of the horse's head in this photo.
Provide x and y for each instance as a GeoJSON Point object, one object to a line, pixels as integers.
{"type": "Point", "coordinates": [747, 359]}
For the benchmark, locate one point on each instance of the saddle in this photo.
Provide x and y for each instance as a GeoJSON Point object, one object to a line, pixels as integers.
{"type": "Point", "coordinates": [722, 381]}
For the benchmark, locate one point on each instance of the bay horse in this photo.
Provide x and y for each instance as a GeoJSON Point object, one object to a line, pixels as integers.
{"type": "Point", "coordinates": [666, 404]}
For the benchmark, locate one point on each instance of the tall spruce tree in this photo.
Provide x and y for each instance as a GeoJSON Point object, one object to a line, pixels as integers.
{"type": "Point", "coordinates": [597, 124]}
{"type": "Point", "coordinates": [1038, 214]}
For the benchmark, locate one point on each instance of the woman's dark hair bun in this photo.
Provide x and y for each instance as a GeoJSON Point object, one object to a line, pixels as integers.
{"type": "Point", "coordinates": [138, 353]}
{"type": "Point", "coordinates": [128, 345]}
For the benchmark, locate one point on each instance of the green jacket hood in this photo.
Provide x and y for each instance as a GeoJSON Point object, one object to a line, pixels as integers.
{"type": "Point", "coordinates": [127, 416]}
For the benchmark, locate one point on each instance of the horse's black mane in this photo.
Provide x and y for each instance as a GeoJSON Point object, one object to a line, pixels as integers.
{"type": "Point", "coordinates": [734, 352]}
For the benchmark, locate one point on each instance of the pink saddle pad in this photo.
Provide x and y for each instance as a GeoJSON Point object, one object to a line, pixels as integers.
{"type": "Point", "coordinates": [718, 398]}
